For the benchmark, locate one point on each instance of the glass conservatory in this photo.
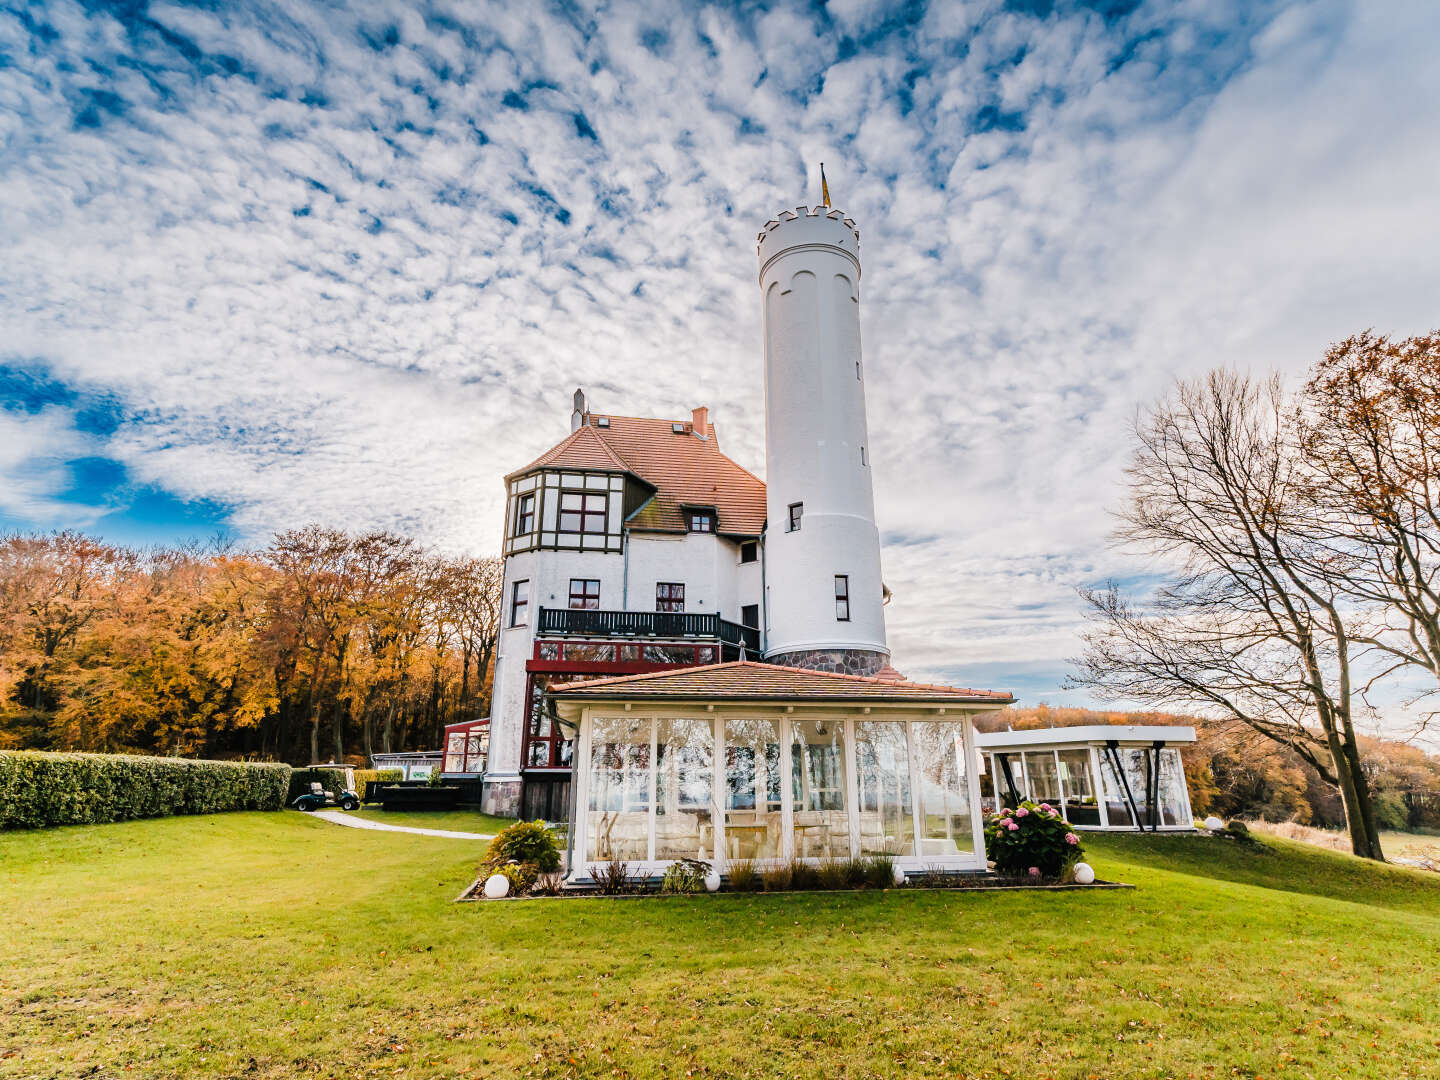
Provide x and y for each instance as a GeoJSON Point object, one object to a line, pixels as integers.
{"type": "Point", "coordinates": [766, 764]}
{"type": "Point", "coordinates": [1102, 777]}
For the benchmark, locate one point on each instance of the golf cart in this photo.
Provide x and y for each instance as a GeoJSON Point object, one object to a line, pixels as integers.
{"type": "Point", "coordinates": [317, 798]}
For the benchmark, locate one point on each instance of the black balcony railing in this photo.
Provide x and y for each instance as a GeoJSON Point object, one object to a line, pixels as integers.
{"type": "Point", "coordinates": [656, 624]}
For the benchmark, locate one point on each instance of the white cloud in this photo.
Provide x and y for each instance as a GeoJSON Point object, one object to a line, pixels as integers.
{"type": "Point", "coordinates": [34, 449]}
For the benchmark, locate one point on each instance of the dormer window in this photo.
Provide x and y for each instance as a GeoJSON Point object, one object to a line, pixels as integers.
{"type": "Point", "coordinates": [678, 428]}
{"type": "Point", "coordinates": [700, 521]}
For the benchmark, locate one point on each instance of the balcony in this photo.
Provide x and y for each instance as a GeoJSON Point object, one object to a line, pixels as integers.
{"type": "Point", "coordinates": [561, 622]}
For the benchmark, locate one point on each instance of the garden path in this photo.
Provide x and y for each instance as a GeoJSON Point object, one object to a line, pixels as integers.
{"type": "Point", "coordinates": [339, 817]}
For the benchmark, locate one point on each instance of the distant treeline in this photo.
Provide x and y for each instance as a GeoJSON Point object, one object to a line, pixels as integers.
{"type": "Point", "coordinates": [1233, 772]}
{"type": "Point", "coordinates": [322, 644]}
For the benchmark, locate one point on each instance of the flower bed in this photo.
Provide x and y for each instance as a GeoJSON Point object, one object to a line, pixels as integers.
{"type": "Point", "coordinates": [1032, 840]}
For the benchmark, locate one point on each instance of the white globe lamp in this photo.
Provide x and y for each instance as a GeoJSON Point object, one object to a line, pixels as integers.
{"type": "Point", "coordinates": [497, 886]}
{"type": "Point", "coordinates": [1084, 874]}
{"type": "Point", "coordinates": [1214, 824]}
{"type": "Point", "coordinates": [712, 881]}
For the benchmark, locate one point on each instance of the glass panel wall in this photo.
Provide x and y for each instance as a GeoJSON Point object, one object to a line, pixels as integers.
{"type": "Point", "coordinates": [1137, 763]}
{"type": "Point", "coordinates": [817, 755]}
{"type": "Point", "coordinates": [753, 789]}
{"type": "Point", "coordinates": [1009, 770]}
{"type": "Point", "coordinates": [619, 826]}
{"type": "Point", "coordinates": [1044, 779]}
{"type": "Point", "coordinates": [942, 790]}
{"type": "Point", "coordinates": [685, 797]}
{"type": "Point", "coordinates": [1174, 800]}
{"type": "Point", "coordinates": [882, 776]}
{"type": "Point", "coordinates": [1078, 788]}
{"type": "Point", "coordinates": [1117, 809]}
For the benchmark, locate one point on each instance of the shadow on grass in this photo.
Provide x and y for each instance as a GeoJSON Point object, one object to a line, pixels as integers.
{"type": "Point", "coordinates": [1275, 863]}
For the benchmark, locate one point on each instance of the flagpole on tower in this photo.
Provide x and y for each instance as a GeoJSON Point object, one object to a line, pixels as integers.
{"type": "Point", "coordinates": [824, 187]}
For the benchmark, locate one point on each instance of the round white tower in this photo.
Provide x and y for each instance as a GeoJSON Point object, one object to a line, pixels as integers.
{"type": "Point", "coordinates": [824, 604]}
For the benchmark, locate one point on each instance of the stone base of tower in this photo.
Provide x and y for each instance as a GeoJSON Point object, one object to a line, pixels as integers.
{"type": "Point", "coordinates": [838, 661]}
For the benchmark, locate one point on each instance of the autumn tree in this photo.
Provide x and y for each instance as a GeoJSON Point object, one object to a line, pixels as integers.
{"type": "Point", "coordinates": [1244, 628]}
{"type": "Point", "coordinates": [1369, 432]}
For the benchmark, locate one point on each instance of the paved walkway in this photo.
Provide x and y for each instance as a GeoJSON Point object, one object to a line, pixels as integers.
{"type": "Point", "coordinates": [340, 817]}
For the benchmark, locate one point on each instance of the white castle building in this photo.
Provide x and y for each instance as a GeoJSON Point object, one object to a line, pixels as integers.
{"type": "Point", "coordinates": [635, 547]}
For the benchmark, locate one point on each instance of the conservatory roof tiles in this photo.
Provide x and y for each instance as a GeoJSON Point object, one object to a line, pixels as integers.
{"type": "Point", "coordinates": [749, 680]}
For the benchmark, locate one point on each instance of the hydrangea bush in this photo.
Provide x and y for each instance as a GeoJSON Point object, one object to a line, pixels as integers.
{"type": "Point", "coordinates": [1032, 840]}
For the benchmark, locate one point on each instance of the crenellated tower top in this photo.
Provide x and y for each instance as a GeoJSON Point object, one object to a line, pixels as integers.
{"type": "Point", "coordinates": [808, 226]}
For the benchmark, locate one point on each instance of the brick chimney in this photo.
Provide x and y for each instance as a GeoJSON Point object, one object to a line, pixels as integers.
{"type": "Point", "coordinates": [700, 421]}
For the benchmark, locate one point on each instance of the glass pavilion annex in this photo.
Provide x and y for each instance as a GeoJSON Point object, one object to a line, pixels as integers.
{"type": "Point", "coordinates": [1103, 777]}
{"type": "Point", "coordinates": [754, 762]}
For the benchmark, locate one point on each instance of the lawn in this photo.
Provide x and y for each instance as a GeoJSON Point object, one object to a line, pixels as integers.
{"type": "Point", "coordinates": [276, 945]}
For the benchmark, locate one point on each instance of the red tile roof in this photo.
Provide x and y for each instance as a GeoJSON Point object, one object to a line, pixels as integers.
{"type": "Point", "coordinates": [684, 469]}
{"type": "Point", "coordinates": [747, 680]}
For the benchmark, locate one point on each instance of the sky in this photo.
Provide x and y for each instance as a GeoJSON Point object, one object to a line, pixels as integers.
{"type": "Point", "coordinates": [262, 265]}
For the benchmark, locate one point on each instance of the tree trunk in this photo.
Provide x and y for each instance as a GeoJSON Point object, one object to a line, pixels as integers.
{"type": "Point", "coordinates": [337, 721]}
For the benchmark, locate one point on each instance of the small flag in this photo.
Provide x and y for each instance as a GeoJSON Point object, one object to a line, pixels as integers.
{"type": "Point", "coordinates": [824, 187]}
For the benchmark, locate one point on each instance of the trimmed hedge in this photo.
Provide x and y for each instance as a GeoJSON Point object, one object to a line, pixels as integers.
{"type": "Point", "coordinates": [39, 789]}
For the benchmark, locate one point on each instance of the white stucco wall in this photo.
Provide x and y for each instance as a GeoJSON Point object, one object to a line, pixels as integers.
{"type": "Point", "coordinates": [815, 431]}
{"type": "Point", "coordinates": [708, 565]}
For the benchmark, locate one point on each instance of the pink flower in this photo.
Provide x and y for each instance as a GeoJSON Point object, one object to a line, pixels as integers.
{"type": "Point", "coordinates": [1005, 812]}
{"type": "Point", "coordinates": [1022, 812]}
{"type": "Point", "coordinates": [1013, 826]}
{"type": "Point", "coordinates": [1071, 839]}
{"type": "Point", "coordinates": [1047, 808]}
{"type": "Point", "coordinates": [1034, 871]}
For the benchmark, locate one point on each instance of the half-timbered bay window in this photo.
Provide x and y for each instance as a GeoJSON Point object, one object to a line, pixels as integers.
{"type": "Point", "coordinates": [524, 515]}
{"type": "Point", "coordinates": [670, 596]}
{"type": "Point", "coordinates": [583, 511]}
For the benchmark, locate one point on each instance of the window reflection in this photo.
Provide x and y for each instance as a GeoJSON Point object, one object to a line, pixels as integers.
{"type": "Point", "coordinates": [684, 823]}
{"type": "Point", "coordinates": [753, 818]}
{"type": "Point", "coordinates": [882, 767]}
{"type": "Point", "coordinates": [1081, 806]}
{"type": "Point", "coordinates": [946, 827]}
{"type": "Point", "coordinates": [619, 789]}
{"type": "Point", "coordinates": [822, 826]}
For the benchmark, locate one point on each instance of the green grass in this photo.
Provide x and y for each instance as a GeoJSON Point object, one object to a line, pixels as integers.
{"type": "Point", "coordinates": [452, 820]}
{"type": "Point", "coordinates": [275, 945]}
